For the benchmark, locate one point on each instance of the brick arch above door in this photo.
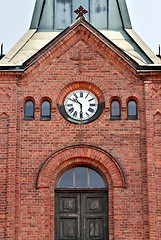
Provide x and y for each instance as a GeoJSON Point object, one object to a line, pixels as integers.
{"type": "Point", "coordinates": [77, 155]}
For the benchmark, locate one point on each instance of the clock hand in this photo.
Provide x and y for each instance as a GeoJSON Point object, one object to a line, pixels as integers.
{"type": "Point", "coordinates": [81, 107]}
{"type": "Point", "coordinates": [81, 113]}
{"type": "Point", "coordinates": [74, 100]}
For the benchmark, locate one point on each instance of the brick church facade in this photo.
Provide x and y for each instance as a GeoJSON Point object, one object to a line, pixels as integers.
{"type": "Point", "coordinates": [80, 127]}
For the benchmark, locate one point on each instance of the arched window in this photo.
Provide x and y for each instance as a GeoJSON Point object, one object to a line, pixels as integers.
{"type": "Point", "coordinates": [115, 110]}
{"type": "Point", "coordinates": [45, 110]}
{"type": "Point", "coordinates": [131, 109]}
{"type": "Point", "coordinates": [81, 177]}
{"type": "Point", "coordinates": [29, 110]}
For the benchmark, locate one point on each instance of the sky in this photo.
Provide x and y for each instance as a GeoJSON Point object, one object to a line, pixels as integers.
{"type": "Point", "coordinates": [15, 18]}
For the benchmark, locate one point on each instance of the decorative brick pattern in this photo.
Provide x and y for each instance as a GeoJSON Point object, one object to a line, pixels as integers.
{"type": "Point", "coordinates": [5, 92]}
{"type": "Point", "coordinates": [156, 92]}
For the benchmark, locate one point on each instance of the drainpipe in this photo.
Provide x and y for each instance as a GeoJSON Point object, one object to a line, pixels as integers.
{"type": "Point", "coordinates": [1, 52]}
{"type": "Point", "coordinates": [159, 55]}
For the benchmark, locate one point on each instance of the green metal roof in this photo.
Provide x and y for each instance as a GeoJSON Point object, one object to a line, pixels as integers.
{"type": "Point", "coordinates": [59, 14]}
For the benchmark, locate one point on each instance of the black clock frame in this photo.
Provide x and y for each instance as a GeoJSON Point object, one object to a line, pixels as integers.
{"type": "Point", "coordinates": [62, 111]}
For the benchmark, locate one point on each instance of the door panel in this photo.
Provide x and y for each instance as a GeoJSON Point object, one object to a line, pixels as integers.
{"type": "Point", "coordinates": [68, 204]}
{"type": "Point", "coordinates": [68, 228]}
{"type": "Point", "coordinates": [81, 216]}
{"type": "Point", "coordinates": [67, 216]}
{"type": "Point", "coordinates": [94, 216]}
{"type": "Point", "coordinates": [93, 204]}
{"type": "Point", "coordinates": [93, 229]}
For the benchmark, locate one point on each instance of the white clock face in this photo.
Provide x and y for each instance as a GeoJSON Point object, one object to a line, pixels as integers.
{"type": "Point", "coordinates": [81, 105]}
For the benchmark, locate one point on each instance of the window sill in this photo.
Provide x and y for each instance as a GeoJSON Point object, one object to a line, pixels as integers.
{"type": "Point", "coordinates": [28, 118]}
{"type": "Point", "coordinates": [132, 118]}
{"type": "Point", "coordinates": [115, 118]}
{"type": "Point", "coordinates": [45, 118]}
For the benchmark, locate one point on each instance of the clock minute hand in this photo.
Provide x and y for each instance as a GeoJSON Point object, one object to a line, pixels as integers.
{"type": "Point", "coordinates": [81, 113]}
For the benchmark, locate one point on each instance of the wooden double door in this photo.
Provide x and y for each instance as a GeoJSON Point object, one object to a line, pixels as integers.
{"type": "Point", "coordinates": [81, 215]}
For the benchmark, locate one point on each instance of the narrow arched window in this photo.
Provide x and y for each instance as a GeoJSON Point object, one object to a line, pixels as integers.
{"type": "Point", "coordinates": [131, 109]}
{"type": "Point", "coordinates": [45, 110]}
{"type": "Point", "coordinates": [29, 110]}
{"type": "Point", "coordinates": [115, 110]}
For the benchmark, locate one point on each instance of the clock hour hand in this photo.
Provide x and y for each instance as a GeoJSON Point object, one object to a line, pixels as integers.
{"type": "Point", "coordinates": [74, 100]}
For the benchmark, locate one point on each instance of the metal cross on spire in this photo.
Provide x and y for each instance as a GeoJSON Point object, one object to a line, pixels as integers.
{"type": "Point", "coordinates": [80, 11]}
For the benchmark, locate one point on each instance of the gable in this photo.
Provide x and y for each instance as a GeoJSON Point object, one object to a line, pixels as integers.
{"type": "Point", "coordinates": [64, 41]}
{"type": "Point", "coordinates": [78, 54]}
{"type": "Point", "coordinates": [33, 44]}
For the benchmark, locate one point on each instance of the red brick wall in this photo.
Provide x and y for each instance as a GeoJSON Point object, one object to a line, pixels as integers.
{"type": "Point", "coordinates": [3, 169]}
{"type": "Point", "coordinates": [153, 119]}
{"type": "Point", "coordinates": [30, 210]}
{"type": "Point", "coordinates": [39, 139]}
{"type": "Point", "coordinates": [8, 149]}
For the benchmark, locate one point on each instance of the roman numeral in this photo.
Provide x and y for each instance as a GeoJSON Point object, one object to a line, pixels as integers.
{"type": "Point", "coordinates": [87, 114]}
{"type": "Point", "coordinates": [81, 115]}
{"type": "Point", "coordinates": [75, 114]}
{"type": "Point", "coordinates": [87, 95]}
{"type": "Point", "coordinates": [75, 95]}
{"type": "Point", "coordinates": [81, 94]}
{"type": "Point", "coordinates": [91, 110]}
{"type": "Point", "coordinates": [71, 110]}
{"type": "Point", "coordinates": [92, 104]}
{"type": "Point", "coordinates": [69, 105]}
{"type": "Point", "coordinates": [90, 99]}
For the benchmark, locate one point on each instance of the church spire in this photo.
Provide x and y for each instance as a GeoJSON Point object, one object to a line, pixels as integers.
{"type": "Point", "coordinates": [53, 15]}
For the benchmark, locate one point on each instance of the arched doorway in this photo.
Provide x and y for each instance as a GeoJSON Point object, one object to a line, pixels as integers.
{"type": "Point", "coordinates": [79, 155]}
{"type": "Point", "coordinates": [81, 206]}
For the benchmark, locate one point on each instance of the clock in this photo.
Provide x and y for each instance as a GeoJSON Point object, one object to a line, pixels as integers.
{"type": "Point", "coordinates": [81, 105]}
